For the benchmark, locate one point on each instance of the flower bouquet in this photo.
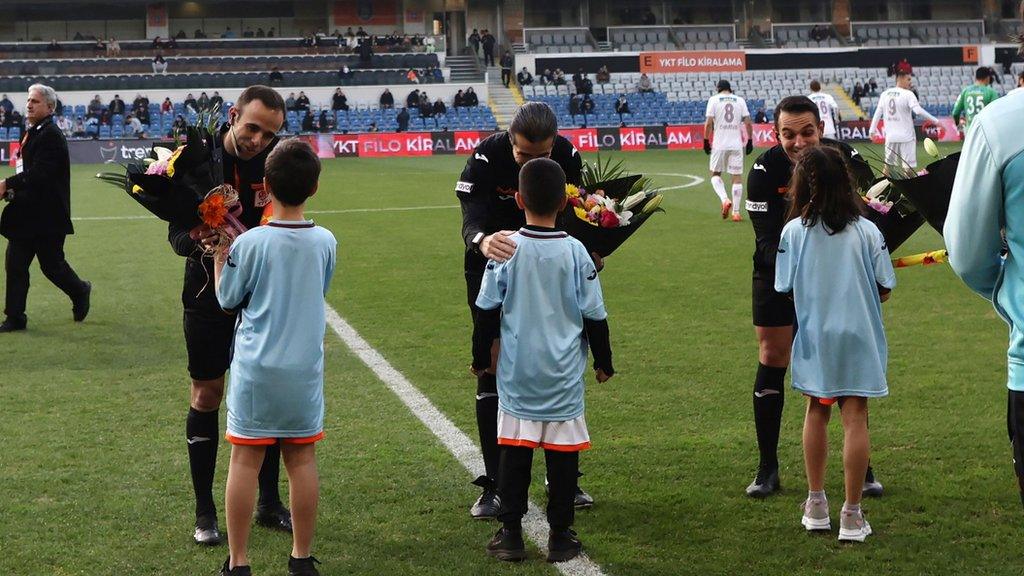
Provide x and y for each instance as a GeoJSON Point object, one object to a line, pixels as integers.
{"type": "Point", "coordinates": [609, 207]}
{"type": "Point", "coordinates": [183, 183]}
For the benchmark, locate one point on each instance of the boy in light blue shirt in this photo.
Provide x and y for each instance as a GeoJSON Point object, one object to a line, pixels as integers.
{"type": "Point", "coordinates": [547, 299]}
{"type": "Point", "coordinates": [987, 204]}
{"type": "Point", "coordinates": [277, 276]}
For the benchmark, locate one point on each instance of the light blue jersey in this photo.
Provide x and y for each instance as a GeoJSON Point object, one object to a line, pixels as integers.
{"type": "Point", "coordinates": [840, 348]}
{"type": "Point", "coordinates": [278, 275]}
{"type": "Point", "coordinates": [544, 291]}
{"type": "Point", "coordinates": [988, 196]}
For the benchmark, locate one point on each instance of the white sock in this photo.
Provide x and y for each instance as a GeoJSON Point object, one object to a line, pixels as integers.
{"type": "Point", "coordinates": [737, 197]}
{"type": "Point", "coordinates": [719, 185]}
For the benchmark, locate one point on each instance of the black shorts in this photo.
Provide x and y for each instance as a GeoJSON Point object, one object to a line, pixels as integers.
{"type": "Point", "coordinates": [209, 331]}
{"type": "Point", "coordinates": [771, 309]}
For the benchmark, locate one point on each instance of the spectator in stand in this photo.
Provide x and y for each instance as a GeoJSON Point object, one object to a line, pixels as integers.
{"type": "Point", "coordinates": [558, 77]}
{"type": "Point", "coordinates": [361, 33]}
{"type": "Point", "coordinates": [248, 32]}
{"type": "Point", "coordinates": [270, 33]}
{"type": "Point", "coordinates": [203, 102]}
{"type": "Point", "coordinates": [65, 125]}
{"type": "Point", "coordinates": [345, 73]}
{"type": "Point", "coordinates": [167, 106]}
{"type": "Point", "coordinates": [622, 108]}
{"type": "Point", "coordinates": [78, 36]}
{"type": "Point", "coordinates": [216, 102]}
{"type": "Point", "coordinates": [603, 76]}
{"type": "Point", "coordinates": [760, 117]}
{"type": "Point", "coordinates": [190, 103]}
{"type": "Point", "coordinates": [181, 34]}
{"type": "Point", "coordinates": [506, 68]}
{"type": "Point", "coordinates": [644, 86]}
{"type": "Point", "coordinates": [228, 33]}
{"type": "Point", "coordinates": [403, 119]}
{"type": "Point", "coordinates": [140, 102]}
{"type": "Point", "coordinates": [133, 126]}
{"type": "Point", "coordinates": [487, 40]}
{"type": "Point", "coordinates": [524, 78]}
{"type": "Point", "coordinates": [159, 64]}
{"type": "Point", "coordinates": [339, 101]}
{"type": "Point", "coordinates": [53, 46]}
{"type": "Point", "coordinates": [459, 100]}
{"type": "Point", "coordinates": [276, 78]}
{"type": "Point", "coordinates": [858, 93]}
{"type": "Point", "coordinates": [426, 108]}
{"type": "Point", "coordinates": [308, 121]}
{"type": "Point", "coordinates": [413, 99]}
{"type": "Point", "coordinates": [116, 105]}
{"type": "Point", "coordinates": [577, 80]}
{"type": "Point", "coordinates": [586, 86]}
{"type": "Point", "coordinates": [94, 110]}
{"type": "Point", "coordinates": [104, 118]}
{"type": "Point", "coordinates": [872, 87]}
{"type": "Point", "coordinates": [387, 99]}
{"type": "Point", "coordinates": [470, 98]}
{"type": "Point", "coordinates": [260, 33]}
{"type": "Point", "coordinates": [372, 127]}
{"type": "Point", "coordinates": [412, 76]}
{"type": "Point", "coordinates": [574, 106]}
{"type": "Point", "coordinates": [649, 18]}
{"type": "Point", "coordinates": [113, 47]}
{"type": "Point", "coordinates": [587, 106]}
{"type": "Point", "coordinates": [179, 126]}
{"type": "Point", "coordinates": [474, 42]}
{"type": "Point", "coordinates": [302, 102]}
{"type": "Point", "coordinates": [78, 131]}
{"type": "Point", "coordinates": [289, 102]}
{"type": "Point", "coordinates": [8, 106]}
{"type": "Point", "coordinates": [198, 34]}
{"type": "Point", "coordinates": [143, 115]}
{"type": "Point", "coordinates": [325, 123]}
{"type": "Point", "coordinates": [439, 107]}
{"type": "Point", "coordinates": [365, 49]}
{"type": "Point", "coordinates": [547, 77]}
{"type": "Point", "coordinates": [438, 75]}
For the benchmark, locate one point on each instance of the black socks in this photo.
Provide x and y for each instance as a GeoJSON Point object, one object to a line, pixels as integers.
{"type": "Point", "coordinates": [769, 398]}
{"type": "Point", "coordinates": [269, 475]}
{"type": "Point", "coordinates": [487, 421]}
{"type": "Point", "coordinates": [203, 436]}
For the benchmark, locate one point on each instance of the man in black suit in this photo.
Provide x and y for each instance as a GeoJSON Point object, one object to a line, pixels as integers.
{"type": "Point", "coordinates": [38, 216]}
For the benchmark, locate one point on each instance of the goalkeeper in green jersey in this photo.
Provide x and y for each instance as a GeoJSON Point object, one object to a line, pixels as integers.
{"type": "Point", "coordinates": [974, 98]}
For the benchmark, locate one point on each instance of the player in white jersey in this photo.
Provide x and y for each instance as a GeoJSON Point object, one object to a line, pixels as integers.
{"type": "Point", "coordinates": [723, 140]}
{"type": "Point", "coordinates": [897, 107]}
{"type": "Point", "coordinates": [828, 109]}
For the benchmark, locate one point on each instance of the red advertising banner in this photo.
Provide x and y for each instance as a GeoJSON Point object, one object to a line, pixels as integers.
{"type": "Point", "coordinates": [584, 139]}
{"type": "Point", "coordinates": [764, 136]}
{"type": "Point", "coordinates": [395, 144]}
{"type": "Point", "coordinates": [364, 13]}
{"type": "Point", "coordinates": [684, 137]}
{"type": "Point", "coordinates": [719, 61]}
{"type": "Point", "coordinates": [632, 139]}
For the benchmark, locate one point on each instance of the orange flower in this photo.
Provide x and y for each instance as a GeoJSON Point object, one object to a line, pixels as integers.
{"type": "Point", "coordinates": [213, 211]}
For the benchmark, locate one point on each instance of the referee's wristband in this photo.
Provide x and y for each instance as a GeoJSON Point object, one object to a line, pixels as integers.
{"type": "Point", "coordinates": [474, 244]}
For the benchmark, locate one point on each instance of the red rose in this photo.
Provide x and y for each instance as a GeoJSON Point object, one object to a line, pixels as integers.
{"type": "Point", "coordinates": [609, 219]}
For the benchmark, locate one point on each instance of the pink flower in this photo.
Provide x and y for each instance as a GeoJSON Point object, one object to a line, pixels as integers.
{"type": "Point", "coordinates": [158, 168]}
{"type": "Point", "coordinates": [880, 207]}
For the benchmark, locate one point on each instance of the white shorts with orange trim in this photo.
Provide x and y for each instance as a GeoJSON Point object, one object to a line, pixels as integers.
{"type": "Point", "coordinates": [248, 441]}
{"type": "Point", "coordinates": [565, 436]}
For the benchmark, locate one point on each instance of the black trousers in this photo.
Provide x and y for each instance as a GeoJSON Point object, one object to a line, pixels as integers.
{"type": "Point", "coordinates": [506, 76]}
{"type": "Point", "coordinates": [50, 251]}
{"type": "Point", "coordinates": [514, 484]}
{"type": "Point", "coordinates": [488, 57]}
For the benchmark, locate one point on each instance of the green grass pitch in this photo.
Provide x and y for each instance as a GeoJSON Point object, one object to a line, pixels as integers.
{"type": "Point", "coordinates": [93, 471]}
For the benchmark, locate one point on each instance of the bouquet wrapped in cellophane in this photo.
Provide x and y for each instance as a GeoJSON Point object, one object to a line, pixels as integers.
{"type": "Point", "coordinates": [182, 182]}
{"type": "Point", "coordinates": [609, 206]}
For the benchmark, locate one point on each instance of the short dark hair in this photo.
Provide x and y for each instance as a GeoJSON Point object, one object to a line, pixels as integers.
{"type": "Point", "coordinates": [823, 189]}
{"type": "Point", "coordinates": [542, 186]}
{"type": "Point", "coordinates": [983, 73]}
{"type": "Point", "coordinates": [534, 121]}
{"type": "Point", "coordinates": [292, 171]}
{"type": "Point", "coordinates": [265, 94]}
{"type": "Point", "coordinates": [723, 85]}
{"type": "Point", "coordinates": [1020, 76]}
{"type": "Point", "coordinates": [796, 105]}
{"type": "Point", "coordinates": [815, 85]}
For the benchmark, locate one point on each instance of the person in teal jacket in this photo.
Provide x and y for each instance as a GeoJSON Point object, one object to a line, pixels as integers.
{"type": "Point", "coordinates": [987, 206]}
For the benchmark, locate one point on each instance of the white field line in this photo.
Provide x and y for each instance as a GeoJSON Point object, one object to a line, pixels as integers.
{"type": "Point", "coordinates": [456, 441]}
{"type": "Point", "coordinates": [312, 212]}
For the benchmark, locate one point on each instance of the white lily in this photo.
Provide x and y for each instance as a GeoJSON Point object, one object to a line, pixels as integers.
{"type": "Point", "coordinates": [162, 154]}
{"type": "Point", "coordinates": [625, 217]}
{"type": "Point", "coordinates": [876, 190]}
{"type": "Point", "coordinates": [931, 148]}
{"type": "Point", "coordinates": [633, 200]}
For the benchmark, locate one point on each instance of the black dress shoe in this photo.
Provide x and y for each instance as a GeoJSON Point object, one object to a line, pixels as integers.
{"type": "Point", "coordinates": [275, 517]}
{"type": "Point", "coordinates": [80, 305]}
{"type": "Point", "coordinates": [10, 325]}
{"type": "Point", "coordinates": [207, 533]}
{"type": "Point", "coordinates": [563, 545]}
{"type": "Point", "coordinates": [507, 545]}
{"type": "Point", "coordinates": [765, 483]}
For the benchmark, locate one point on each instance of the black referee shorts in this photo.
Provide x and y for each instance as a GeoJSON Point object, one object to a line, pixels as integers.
{"type": "Point", "coordinates": [209, 331]}
{"type": "Point", "coordinates": [771, 309]}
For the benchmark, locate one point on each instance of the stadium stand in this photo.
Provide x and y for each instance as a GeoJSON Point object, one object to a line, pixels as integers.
{"type": "Point", "coordinates": [559, 40]}
{"type": "Point", "coordinates": [939, 86]}
{"type": "Point", "coordinates": [656, 38]}
{"type": "Point", "coordinates": [803, 35]}
{"type": "Point", "coordinates": [916, 33]}
{"type": "Point", "coordinates": [711, 37]}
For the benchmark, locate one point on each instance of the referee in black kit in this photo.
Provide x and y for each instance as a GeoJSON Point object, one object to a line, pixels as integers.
{"type": "Point", "coordinates": [248, 137]}
{"type": "Point", "coordinates": [486, 189]}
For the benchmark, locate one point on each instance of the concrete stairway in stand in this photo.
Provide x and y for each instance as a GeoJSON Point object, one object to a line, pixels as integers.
{"type": "Point", "coordinates": [503, 101]}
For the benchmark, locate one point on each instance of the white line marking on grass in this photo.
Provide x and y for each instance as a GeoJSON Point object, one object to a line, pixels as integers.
{"type": "Point", "coordinates": [694, 180]}
{"type": "Point", "coordinates": [456, 441]}
{"type": "Point", "coordinates": [345, 211]}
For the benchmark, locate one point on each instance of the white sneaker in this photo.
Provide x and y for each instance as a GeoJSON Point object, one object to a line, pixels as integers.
{"type": "Point", "coordinates": [853, 527]}
{"type": "Point", "coordinates": [816, 514]}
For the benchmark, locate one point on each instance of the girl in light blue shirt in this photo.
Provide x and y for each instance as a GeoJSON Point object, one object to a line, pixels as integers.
{"type": "Point", "coordinates": [836, 266]}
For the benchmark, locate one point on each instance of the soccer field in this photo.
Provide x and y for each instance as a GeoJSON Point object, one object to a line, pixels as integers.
{"type": "Point", "coordinates": [94, 474]}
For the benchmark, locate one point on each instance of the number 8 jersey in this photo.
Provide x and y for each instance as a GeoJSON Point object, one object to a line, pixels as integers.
{"type": "Point", "coordinates": [728, 111]}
